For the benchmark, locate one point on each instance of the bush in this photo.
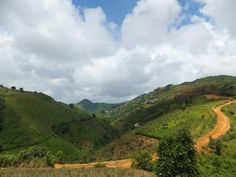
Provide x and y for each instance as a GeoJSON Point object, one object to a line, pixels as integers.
{"type": "Point", "coordinates": [216, 145]}
{"type": "Point", "coordinates": [177, 156]}
{"type": "Point", "coordinates": [143, 160]}
{"type": "Point", "coordinates": [60, 157]}
{"type": "Point", "coordinates": [71, 106]}
{"type": "Point", "coordinates": [33, 157]}
{"type": "Point", "coordinates": [13, 88]}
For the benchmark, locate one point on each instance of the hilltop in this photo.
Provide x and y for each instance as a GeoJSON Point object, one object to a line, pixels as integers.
{"type": "Point", "coordinates": [91, 107]}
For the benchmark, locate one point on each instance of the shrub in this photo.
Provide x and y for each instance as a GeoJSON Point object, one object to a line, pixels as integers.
{"type": "Point", "coordinates": [71, 106]}
{"type": "Point", "coordinates": [216, 145]}
{"type": "Point", "coordinates": [33, 157]}
{"type": "Point", "coordinates": [60, 157]}
{"type": "Point", "coordinates": [177, 155]}
{"type": "Point", "coordinates": [13, 88]}
{"type": "Point", "coordinates": [143, 160]}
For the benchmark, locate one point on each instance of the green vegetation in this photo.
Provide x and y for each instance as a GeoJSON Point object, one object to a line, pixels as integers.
{"type": "Point", "coordinates": [143, 160]}
{"type": "Point", "coordinates": [32, 157]}
{"type": "Point", "coordinates": [93, 172]}
{"type": "Point", "coordinates": [125, 147]}
{"type": "Point", "coordinates": [177, 155]}
{"type": "Point", "coordinates": [31, 121]}
{"type": "Point", "coordinates": [88, 133]}
{"type": "Point", "coordinates": [217, 166]}
{"type": "Point", "coordinates": [35, 119]}
{"type": "Point", "coordinates": [199, 119]}
{"type": "Point", "coordinates": [169, 98]}
{"type": "Point", "coordinates": [91, 107]}
{"type": "Point", "coordinates": [229, 140]}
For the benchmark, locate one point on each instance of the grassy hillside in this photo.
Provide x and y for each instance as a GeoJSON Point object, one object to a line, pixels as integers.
{"type": "Point", "coordinates": [199, 119]}
{"type": "Point", "coordinates": [229, 140]}
{"type": "Point", "coordinates": [217, 166]}
{"type": "Point", "coordinates": [29, 119]}
{"type": "Point", "coordinates": [167, 109]}
{"type": "Point", "coordinates": [169, 98]}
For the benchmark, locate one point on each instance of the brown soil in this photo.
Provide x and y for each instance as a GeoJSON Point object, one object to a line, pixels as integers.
{"type": "Point", "coordinates": [109, 164]}
{"type": "Point", "coordinates": [221, 128]}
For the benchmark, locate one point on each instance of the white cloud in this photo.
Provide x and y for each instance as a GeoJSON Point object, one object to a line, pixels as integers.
{"type": "Point", "coordinates": [73, 53]}
{"type": "Point", "coordinates": [149, 22]}
{"type": "Point", "coordinates": [223, 12]}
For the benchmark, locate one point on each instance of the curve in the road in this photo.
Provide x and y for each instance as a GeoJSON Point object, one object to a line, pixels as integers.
{"type": "Point", "coordinates": [221, 128]}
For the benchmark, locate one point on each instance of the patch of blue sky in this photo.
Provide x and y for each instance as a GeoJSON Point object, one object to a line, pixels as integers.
{"type": "Point", "coordinates": [115, 10]}
{"type": "Point", "coordinates": [190, 8]}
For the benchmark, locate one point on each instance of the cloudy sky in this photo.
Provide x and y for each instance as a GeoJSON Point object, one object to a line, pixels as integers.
{"type": "Point", "coordinates": [113, 50]}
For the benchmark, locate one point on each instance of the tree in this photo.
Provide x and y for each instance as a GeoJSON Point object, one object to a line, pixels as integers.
{"type": "Point", "coordinates": [71, 106]}
{"type": "Point", "coordinates": [143, 160]}
{"type": "Point", "coordinates": [177, 156]}
{"type": "Point", "coordinates": [21, 90]}
{"type": "Point", "coordinates": [13, 88]}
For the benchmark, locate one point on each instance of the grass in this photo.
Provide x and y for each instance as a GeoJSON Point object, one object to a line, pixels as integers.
{"type": "Point", "coordinates": [40, 111]}
{"type": "Point", "coordinates": [221, 85]}
{"type": "Point", "coordinates": [229, 140]}
{"type": "Point", "coordinates": [199, 119]}
{"type": "Point", "coordinates": [93, 172]}
{"type": "Point", "coordinates": [35, 119]}
{"type": "Point", "coordinates": [217, 166]}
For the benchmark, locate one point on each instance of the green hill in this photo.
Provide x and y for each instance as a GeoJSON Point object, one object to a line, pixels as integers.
{"type": "Point", "coordinates": [167, 99]}
{"type": "Point", "coordinates": [168, 109]}
{"type": "Point", "coordinates": [91, 107]}
{"type": "Point", "coordinates": [29, 119]}
{"type": "Point", "coordinates": [35, 119]}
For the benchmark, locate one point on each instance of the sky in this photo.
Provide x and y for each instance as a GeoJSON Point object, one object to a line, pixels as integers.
{"type": "Point", "coordinates": [113, 51]}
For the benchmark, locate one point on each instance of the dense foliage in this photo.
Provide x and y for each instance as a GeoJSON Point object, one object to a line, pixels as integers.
{"type": "Point", "coordinates": [2, 106]}
{"type": "Point", "coordinates": [177, 156]}
{"type": "Point", "coordinates": [143, 160]}
{"type": "Point", "coordinates": [33, 157]}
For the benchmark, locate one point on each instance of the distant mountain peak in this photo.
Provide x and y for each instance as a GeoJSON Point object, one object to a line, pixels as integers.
{"type": "Point", "coordinates": [85, 101]}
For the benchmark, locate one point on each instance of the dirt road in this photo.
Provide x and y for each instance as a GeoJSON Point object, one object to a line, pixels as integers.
{"type": "Point", "coordinates": [109, 164]}
{"type": "Point", "coordinates": [221, 128]}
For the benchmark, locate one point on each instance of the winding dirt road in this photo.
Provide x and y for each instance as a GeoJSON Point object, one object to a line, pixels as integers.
{"type": "Point", "coordinates": [221, 128]}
